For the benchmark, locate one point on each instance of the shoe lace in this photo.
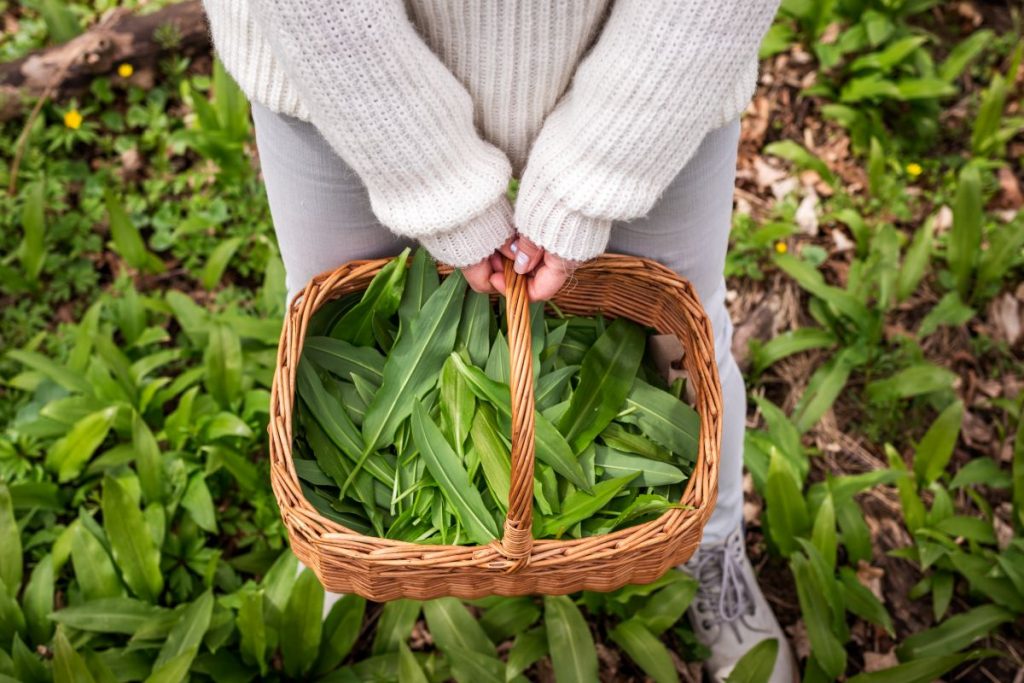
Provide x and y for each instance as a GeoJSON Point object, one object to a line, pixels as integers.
{"type": "Point", "coordinates": [723, 584]}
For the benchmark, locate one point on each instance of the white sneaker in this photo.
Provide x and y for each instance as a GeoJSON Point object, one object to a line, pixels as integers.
{"type": "Point", "coordinates": [730, 614]}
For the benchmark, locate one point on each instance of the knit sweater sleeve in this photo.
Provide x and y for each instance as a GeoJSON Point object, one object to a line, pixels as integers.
{"type": "Point", "coordinates": [662, 74]}
{"type": "Point", "coordinates": [388, 106]}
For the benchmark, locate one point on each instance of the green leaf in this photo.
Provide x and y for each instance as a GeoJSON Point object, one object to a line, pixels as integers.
{"type": "Point", "coordinates": [473, 667]}
{"type": "Point", "coordinates": [663, 418]}
{"type": "Point", "coordinates": [94, 569]}
{"type": "Point", "coordinates": [645, 649]}
{"type": "Point", "coordinates": [965, 235]}
{"type": "Point", "coordinates": [925, 670]}
{"type": "Point", "coordinates": [72, 451]}
{"type": "Point", "coordinates": [800, 157]}
{"type": "Point", "coordinates": [451, 476]}
{"type": "Point", "coordinates": [916, 380]}
{"type": "Point", "coordinates": [494, 456]}
{"type": "Point", "coordinates": [409, 670]}
{"type": "Point", "coordinates": [62, 23]}
{"type": "Point", "coordinates": [810, 279]}
{"type": "Point", "coordinates": [218, 261]}
{"type": "Point", "coordinates": [199, 503]}
{"type": "Point", "coordinates": [414, 363]}
{"type": "Point", "coordinates": [581, 505]}
{"type": "Point", "coordinates": [509, 617]}
{"type": "Point", "coordinates": [822, 390]}
{"type": "Point", "coordinates": [395, 626]}
{"type": "Point", "coordinates": [252, 629]}
{"type": "Point", "coordinates": [301, 625]}
{"type": "Point", "coordinates": [551, 447]}
{"type": "Point", "coordinates": [475, 327]}
{"type": "Point", "coordinates": [173, 670]}
{"type": "Point", "coordinates": [606, 374]}
{"type": "Point", "coordinates": [37, 601]}
{"type": "Point", "coordinates": [187, 634]}
{"type": "Point", "coordinates": [862, 602]}
{"type": "Point", "coordinates": [954, 633]}
{"type": "Point", "coordinates": [924, 88]}
{"type": "Point", "coordinates": [68, 665]}
{"type": "Point", "coordinates": [666, 607]}
{"type": "Point", "coordinates": [12, 619]}
{"type": "Point", "coordinates": [454, 628]}
{"type": "Point", "coordinates": [70, 379]}
{"type": "Point", "coordinates": [134, 551]}
{"type": "Point", "coordinates": [420, 283]}
{"type": "Point", "coordinates": [916, 260]}
{"type": "Point", "coordinates": [381, 298]}
{"type": "Point", "coordinates": [147, 460]}
{"type": "Point", "coordinates": [963, 53]}
{"type": "Point", "coordinates": [345, 359]}
{"type": "Point", "coordinates": [528, 647]}
{"type": "Point", "coordinates": [223, 361]}
{"type": "Point", "coordinates": [823, 533]}
{"type": "Point", "coordinates": [573, 654]}
{"type": "Point", "coordinates": [1017, 472]}
{"type": "Point", "coordinates": [936, 446]}
{"type": "Point", "coordinates": [112, 615]}
{"type": "Point", "coordinates": [785, 508]}
{"type": "Point", "coordinates": [32, 251]}
{"type": "Point", "coordinates": [127, 240]}
{"type": "Point", "coordinates": [340, 632]}
{"type": "Point", "coordinates": [11, 559]}
{"type": "Point", "coordinates": [757, 664]}
{"type": "Point", "coordinates": [950, 311]}
{"type": "Point", "coordinates": [457, 404]}
{"type": "Point", "coordinates": [650, 472]}
{"type": "Point", "coordinates": [893, 53]}
{"type": "Point", "coordinates": [787, 344]}
{"type": "Point", "coordinates": [828, 650]}
{"type": "Point", "coordinates": [971, 528]}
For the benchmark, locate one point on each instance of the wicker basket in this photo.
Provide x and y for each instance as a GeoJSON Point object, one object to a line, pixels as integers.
{"type": "Point", "coordinates": [380, 569]}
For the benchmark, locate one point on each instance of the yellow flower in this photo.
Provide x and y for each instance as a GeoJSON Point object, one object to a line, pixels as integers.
{"type": "Point", "coordinates": [914, 169]}
{"type": "Point", "coordinates": [72, 119]}
{"type": "Point", "coordinates": [125, 70]}
{"type": "Point", "coordinates": [781, 248]}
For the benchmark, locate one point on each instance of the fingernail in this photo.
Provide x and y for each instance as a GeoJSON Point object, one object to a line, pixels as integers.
{"type": "Point", "coordinates": [514, 248]}
{"type": "Point", "coordinates": [521, 260]}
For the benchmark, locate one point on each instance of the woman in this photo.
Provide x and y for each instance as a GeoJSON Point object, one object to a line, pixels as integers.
{"type": "Point", "coordinates": [381, 123]}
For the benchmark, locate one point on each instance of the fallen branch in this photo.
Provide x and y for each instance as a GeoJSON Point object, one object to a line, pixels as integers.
{"type": "Point", "coordinates": [122, 37]}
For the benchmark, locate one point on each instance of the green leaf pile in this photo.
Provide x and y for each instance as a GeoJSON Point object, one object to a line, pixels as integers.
{"type": "Point", "coordinates": [403, 416]}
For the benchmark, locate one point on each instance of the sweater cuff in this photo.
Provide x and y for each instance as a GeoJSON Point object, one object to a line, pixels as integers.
{"type": "Point", "coordinates": [548, 222]}
{"type": "Point", "coordinates": [474, 240]}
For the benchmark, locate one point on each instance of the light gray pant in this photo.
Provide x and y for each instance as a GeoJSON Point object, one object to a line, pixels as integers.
{"type": "Point", "coordinates": [322, 217]}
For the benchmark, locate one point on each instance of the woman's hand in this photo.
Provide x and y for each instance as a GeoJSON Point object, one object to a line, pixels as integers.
{"type": "Point", "coordinates": [546, 272]}
{"type": "Point", "coordinates": [488, 276]}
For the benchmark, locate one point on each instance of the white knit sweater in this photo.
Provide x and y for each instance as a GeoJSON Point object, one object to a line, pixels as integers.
{"type": "Point", "coordinates": [437, 103]}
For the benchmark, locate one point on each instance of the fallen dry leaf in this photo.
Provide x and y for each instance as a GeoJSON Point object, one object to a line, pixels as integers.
{"type": "Point", "coordinates": [1010, 196]}
{"type": "Point", "coordinates": [807, 214]}
{"type": "Point", "coordinates": [766, 175]}
{"type": "Point", "coordinates": [871, 578]}
{"type": "Point", "coordinates": [1004, 313]}
{"type": "Point", "coordinates": [798, 637]}
{"type": "Point", "coordinates": [943, 219]}
{"type": "Point", "coordinates": [877, 661]}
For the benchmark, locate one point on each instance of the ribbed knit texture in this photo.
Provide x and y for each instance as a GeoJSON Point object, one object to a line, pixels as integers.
{"type": "Point", "coordinates": [436, 107]}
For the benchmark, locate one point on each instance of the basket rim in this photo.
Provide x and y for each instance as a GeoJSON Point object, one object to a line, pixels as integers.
{"type": "Point", "coordinates": [394, 553]}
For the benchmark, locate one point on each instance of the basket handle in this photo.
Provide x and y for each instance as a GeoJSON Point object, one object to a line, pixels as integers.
{"type": "Point", "coordinates": [517, 538]}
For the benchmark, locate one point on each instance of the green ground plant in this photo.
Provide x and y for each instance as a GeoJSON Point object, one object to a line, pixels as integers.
{"type": "Point", "coordinates": [142, 298]}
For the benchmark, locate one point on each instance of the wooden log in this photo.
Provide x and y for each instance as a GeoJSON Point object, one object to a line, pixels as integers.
{"type": "Point", "coordinates": [120, 37]}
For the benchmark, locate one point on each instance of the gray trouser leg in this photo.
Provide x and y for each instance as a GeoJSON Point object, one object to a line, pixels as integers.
{"type": "Point", "coordinates": [320, 208]}
{"type": "Point", "coordinates": [688, 231]}
{"type": "Point", "coordinates": [322, 217]}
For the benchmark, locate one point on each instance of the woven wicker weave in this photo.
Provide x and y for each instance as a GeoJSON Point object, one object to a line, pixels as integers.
{"type": "Point", "coordinates": [380, 569]}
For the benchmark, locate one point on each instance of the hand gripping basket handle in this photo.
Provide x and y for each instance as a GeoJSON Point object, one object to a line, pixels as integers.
{"type": "Point", "coordinates": [517, 536]}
